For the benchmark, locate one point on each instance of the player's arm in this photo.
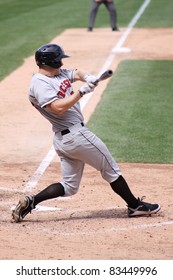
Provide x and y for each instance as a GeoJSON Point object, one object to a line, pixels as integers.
{"type": "Point", "coordinates": [79, 75]}
{"type": "Point", "coordinates": [59, 106]}
{"type": "Point", "coordinates": [85, 76]}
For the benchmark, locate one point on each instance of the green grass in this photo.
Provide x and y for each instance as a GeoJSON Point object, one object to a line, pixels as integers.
{"type": "Point", "coordinates": [134, 116]}
{"type": "Point", "coordinates": [159, 13]}
{"type": "Point", "coordinates": [26, 25]}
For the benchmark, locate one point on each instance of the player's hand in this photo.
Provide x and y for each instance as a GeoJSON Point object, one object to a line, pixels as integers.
{"type": "Point", "coordinates": [91, 79]}
{"type": "Point", "coordinates": [86, 88]}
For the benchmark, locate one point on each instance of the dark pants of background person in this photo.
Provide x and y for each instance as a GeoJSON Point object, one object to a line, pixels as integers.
{"type": "Point", "coordinates": [112, 11]}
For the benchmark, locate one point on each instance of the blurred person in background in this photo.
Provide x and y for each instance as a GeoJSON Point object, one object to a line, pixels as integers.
{"type": "Point", "coordinates": [110, 5]}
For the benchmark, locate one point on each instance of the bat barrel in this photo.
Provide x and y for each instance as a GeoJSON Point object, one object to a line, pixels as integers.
{"type": "Point", "coordinates": [110, 72]}
{"type": "Point", "coordinates": [107, 74]}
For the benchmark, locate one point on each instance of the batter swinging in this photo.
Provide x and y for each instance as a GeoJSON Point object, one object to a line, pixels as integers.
{"type": "Point", "coordinates": [51, 93]}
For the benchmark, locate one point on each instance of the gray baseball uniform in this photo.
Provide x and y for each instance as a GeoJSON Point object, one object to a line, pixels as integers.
{"type": "Point", "coordinates": [73, 141]}
{"type": "Point", "coordinates": [51, 91]}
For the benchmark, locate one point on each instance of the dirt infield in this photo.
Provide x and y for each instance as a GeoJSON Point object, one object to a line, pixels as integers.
{"type": "Point", "coordinates": [93, 224]}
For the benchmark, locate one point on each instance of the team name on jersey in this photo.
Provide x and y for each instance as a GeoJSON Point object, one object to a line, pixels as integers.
{"type": "Point", "coordinates": [64, 86]}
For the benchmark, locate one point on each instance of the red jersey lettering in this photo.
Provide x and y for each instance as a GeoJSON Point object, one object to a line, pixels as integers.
{"type": "Point", "coordinates": [63, 88]}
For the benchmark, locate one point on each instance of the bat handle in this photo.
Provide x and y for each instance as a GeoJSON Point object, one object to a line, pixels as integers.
{"type": "Point", "coordinates": [96, 82]}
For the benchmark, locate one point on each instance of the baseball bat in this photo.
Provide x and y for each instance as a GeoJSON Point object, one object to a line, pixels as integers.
{"type": "Point", "coordinates": [105, 75]}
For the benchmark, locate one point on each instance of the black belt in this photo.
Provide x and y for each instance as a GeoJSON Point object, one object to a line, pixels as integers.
{"type": "Point", "coordinates": [66, 131]}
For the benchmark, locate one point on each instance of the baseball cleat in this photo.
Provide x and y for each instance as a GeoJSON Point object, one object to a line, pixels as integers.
{"type": "Point", "coordinates": [143, 209]}
{"type": "Point", "coordinates": [115, 28]}
{"type": "Point", "coordinates": [24, 207]}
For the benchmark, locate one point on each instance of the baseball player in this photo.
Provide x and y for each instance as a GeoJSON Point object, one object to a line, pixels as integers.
{"type": "Point", "coordinates": [112, 12]}
{"type": "Point", "coordinates": [51, 93]}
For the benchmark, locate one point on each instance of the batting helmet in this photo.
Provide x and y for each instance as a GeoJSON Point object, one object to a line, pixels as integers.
{"type": "Point", "coordinates": [51, 55]}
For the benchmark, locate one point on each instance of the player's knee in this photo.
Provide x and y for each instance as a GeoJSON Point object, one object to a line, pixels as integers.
{"type": "Point", "coordinates": [70, 189]}
{"type": "Point", "coordinates": [110, 176]}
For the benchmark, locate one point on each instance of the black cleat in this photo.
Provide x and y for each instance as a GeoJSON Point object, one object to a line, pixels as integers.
{"type": "Point", "coordinates": [24, 207]}
{"type": "Point", "coordinates": [143, 209]}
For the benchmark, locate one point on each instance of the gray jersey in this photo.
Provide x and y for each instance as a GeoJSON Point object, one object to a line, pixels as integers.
{"type": "Point", "coordinates": [44, 90]}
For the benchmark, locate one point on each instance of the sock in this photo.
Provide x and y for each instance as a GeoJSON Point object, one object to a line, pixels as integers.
{"type": "Point", "coordinates": [51, 191]}
{"type": "Point", "coordinates": [122, 189]}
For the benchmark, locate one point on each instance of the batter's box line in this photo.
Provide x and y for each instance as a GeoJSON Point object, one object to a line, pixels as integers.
{"type": "Point", "coordinates": [11, 190]}
{"type": "Point", "coordinates": [112, 229]}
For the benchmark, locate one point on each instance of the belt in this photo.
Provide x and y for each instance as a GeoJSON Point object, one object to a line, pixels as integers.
{"type": "Point", "coordinates": [66, 131]}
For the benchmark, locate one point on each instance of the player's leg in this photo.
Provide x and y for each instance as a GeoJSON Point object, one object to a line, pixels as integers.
{"type": "Point", "coordinates": [136, 207]}
{"type": "Point", "coordinates": [113, 15]}
{"type": "Point", "coordinates": [29, 202]}
{"type": "Point", "coordinates": [96, 154]}
{"type": "Point", "coordinates": [72, 171]}
{"type": "Point", "coordinates": [93, 12]}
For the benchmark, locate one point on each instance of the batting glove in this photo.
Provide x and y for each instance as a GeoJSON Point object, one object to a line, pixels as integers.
{"type": "Point", "coordinates": [86, 88]}
{"type": "Point", "coordinates": [91, 79]}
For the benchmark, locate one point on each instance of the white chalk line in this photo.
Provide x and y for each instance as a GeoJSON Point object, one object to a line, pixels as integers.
{"type": "Point", "coordinates": [11, 190]}
{"type": "Point", "coordinates": [51, 154]}
{"type": "Point", "coordinates": [118, 229]}
{"type": "Point", "coordinates": [40, 208]}
{"type": "Point", "coordinates": [40, 170]}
